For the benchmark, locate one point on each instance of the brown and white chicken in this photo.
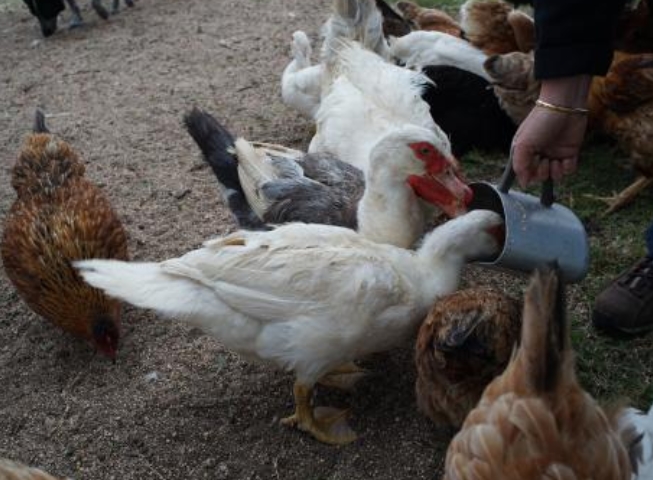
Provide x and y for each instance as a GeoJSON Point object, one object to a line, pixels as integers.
{"type": "Point", "coordinates": [535, 422]}
{"type": "Point", "coordinates": [495, 27]}
{"type": "Point", "coordinates": [466, 340]}
{"type": "Point", "coordinates": [431, 19]}
{"type": "Point", "coordinates": [513, 81]}
{"type": "Point", "coordinates": [60, 216]}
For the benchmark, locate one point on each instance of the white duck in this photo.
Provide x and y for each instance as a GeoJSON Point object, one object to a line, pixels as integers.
{"type": "Point", "coordinates": [412, 174]}
{"type": "Point", "coordinates": [301, 82]}
{"type": "Point", "coordinates": [304, 297]}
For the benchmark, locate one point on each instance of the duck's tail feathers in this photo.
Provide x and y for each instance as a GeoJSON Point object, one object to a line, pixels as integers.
{"type": "Point", "coordinates": [263, 164]}
{"type": "Point", "coordinates": [218, 150]}
{"type": "Point", "coordinates": [545, 344]}
{"type": "Point", "coordinates": [147, 285]}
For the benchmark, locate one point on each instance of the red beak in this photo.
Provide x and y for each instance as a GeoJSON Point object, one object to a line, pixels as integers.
{"type": "Point", "coordinates": [446, 191]}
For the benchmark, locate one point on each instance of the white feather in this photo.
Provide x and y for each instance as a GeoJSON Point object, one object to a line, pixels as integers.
{"type": "Point", "coordinates": [369, 99]}
{"type": "Point", "coordinates": [421, 48]}
{"type": "Point", "coordinates": [301, 82]}
{"type": "Point", "coordinates": [643, 423]}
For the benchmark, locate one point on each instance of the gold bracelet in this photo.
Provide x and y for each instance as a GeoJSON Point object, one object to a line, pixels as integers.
{"type": "Point", "coordinates": [560, 108]}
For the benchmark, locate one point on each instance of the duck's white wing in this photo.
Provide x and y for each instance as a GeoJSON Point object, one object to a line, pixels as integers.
{"type": "Point", "coordinates": [277, 281]}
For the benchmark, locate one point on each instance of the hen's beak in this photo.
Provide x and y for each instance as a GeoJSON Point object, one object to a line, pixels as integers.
{"type": "Point", "coordinates": [445, 190]}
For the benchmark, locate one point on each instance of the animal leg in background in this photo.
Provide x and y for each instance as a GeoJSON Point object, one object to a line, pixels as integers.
{"type": "Point", "coordinates": [77, 20]}
{"type": "Point", "coordinates": [99, 9]}
{"type": "Point", "coordinates": [115, 8]}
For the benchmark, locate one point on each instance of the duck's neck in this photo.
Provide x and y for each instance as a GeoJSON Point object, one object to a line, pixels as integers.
{"type": "Point", "coordinates": [439, 253]}
{"type": "Point", "coordinates": [389, 211]}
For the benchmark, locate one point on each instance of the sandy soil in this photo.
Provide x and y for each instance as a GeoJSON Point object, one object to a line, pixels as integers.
{"type": "Point", "coordinates": [176, 404]}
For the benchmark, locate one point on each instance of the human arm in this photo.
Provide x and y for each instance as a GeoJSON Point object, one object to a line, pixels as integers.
{"type": "Point", "coordinates": [574, 42]}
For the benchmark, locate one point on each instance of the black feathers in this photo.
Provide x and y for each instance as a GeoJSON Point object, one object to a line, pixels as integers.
{"type": "Point", "coordinates": [465, 107]}
{"type": "Point", "coordinates": [217, 144]}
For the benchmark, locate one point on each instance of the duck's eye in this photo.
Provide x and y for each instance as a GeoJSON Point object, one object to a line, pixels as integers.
{"type": "Point", "coordinates": [424, 151]}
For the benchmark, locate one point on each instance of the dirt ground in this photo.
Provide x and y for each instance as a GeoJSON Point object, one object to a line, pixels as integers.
{"type": "Point", "coordinates": [176, 404]}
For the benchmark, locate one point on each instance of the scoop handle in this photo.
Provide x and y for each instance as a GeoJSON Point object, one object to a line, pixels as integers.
{"type": "Point", "coordinates": [547, 197]}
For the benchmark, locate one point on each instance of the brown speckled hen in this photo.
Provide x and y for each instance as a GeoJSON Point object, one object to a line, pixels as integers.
{"type": "Point", "coordinates": [534, 421]}
{"type": "Point", "coordinates": [466, 340]}
{"type": "Point", "coordinates": [59, 216]}
{"type": "Point", "coordinates": [10, 470]}
{"type": "Point", "coordinates": [621, 106]}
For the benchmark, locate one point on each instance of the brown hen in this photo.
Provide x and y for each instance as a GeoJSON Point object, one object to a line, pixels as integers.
{"type": "Point", "coordinates": [513, 81]}
{"type": "Point", "coordinates": [430, 19]}
{"type": "Point", "coordinates": [59, 216]}
{"type": "Point", "coordinates": [495, 27]}
{"type": "Point", "coordinates": [466, 340]}
{"type": "Point", "coordinates": [535, 422]}
{"type": "Point", "coordinates": [621, 106]}
{"type": "Point", "coordinates": [10, 470]}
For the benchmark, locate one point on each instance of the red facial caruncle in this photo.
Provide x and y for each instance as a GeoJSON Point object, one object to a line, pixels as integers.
{"type": "Point", "coordinates": [442, 184]}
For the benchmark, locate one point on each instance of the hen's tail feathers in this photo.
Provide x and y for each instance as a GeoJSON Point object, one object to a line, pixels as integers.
{"type": "Point", "coordinates": [147, 285]}
{"type": "Point", "coordinates": [218, 150]}
{"type": "Point", "coordinates": [545, 338]}
{"type": "Point", "coordinates": [39, 122]}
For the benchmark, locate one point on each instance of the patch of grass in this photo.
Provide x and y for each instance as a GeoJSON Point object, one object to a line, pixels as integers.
{"type": "Point", "coordinates": [450, 6]}
{"type": "Point", "coordinates": [610, 369]}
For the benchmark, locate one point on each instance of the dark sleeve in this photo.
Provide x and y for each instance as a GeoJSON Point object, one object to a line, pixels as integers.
{"type": "Point", "coordinates": [574, 37]}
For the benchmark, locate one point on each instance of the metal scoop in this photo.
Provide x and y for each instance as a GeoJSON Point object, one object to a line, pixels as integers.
{"type": "Point", "coordinates": [538, 231]}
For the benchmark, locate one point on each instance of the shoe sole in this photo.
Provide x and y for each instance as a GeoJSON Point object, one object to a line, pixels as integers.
{"type": "Point", "coordinates": [606, 324]}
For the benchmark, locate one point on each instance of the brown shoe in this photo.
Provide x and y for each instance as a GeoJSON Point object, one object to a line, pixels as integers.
{"type": "Point", "coordinates": [626, 305]}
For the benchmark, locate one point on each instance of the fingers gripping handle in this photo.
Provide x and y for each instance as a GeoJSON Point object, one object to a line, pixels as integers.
{"type": "Point", "coordinates": [547, 196]}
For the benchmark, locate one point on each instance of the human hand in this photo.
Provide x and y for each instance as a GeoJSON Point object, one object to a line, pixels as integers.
{"type": "Point", "coordinates": [548, 142]}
